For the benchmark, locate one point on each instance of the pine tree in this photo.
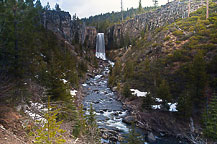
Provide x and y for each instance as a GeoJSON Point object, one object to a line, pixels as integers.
{"type": "Point", "coordinates": [38, 5]}
{"type": "Point", "coordinates": [80, 127]}
{"type": "Point", "coordinates": [184, 106]}
{"type": "Point", "coordinates": [133, 137]}
{"type": "Point", "coordinates": [57, 7]}
{"type": "Point", "coordinates": [47, 7]}
{"type": "Point", "coordinates": [126, 91]}
{"type": "Point", "coordinates": [147, 101]}
{"type": "Point", "coordinates": [140, 6]}
{"type": "Point", "coordinates": [211, 118]}
{"type": "Point", "coordinates": [199, 78]}
{"type": "Point", "coordinates": [155, 3]}
{"type": "Point", "coordinates": [92, 129]}
{"type": "Point", "coordinates": [163, 92]}
{"type": "Point", "coordinates": [128, 70]}
{"type": "Point", "coordinates": [50, 132]}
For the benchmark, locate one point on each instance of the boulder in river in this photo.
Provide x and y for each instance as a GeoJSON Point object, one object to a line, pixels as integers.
{"type": "Point", "coordinates": [114, 89]}
{"type": "Point", "coordinates": [129, 119]}
{"type": "Point", "coordinates": [151, 137]}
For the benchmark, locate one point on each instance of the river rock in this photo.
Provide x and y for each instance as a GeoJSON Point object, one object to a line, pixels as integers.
{"type": "Point", "coordinates": [113, 138]}
{"type": "Point", "coordinates": [120, 138]}
{"type": "Point", "coordinates": [151, 137]}
{"type": "Point", "coordinates": [101, 111]}
{"type": "Point", "coordinates": [105, 136]}
{"type": "Point", "coordinates": [90, 75]}
{"type": "Point", "coordinates": [114, 89]}
{"type": "Point", "coordinates": [129, 119]}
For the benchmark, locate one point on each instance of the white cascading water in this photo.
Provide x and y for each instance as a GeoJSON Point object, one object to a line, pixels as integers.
{"type": "Point", "coordinates": [100, 46]}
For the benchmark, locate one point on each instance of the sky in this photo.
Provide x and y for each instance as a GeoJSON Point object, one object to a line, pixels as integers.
{"type": "Point", "coordinates": [86, 8]}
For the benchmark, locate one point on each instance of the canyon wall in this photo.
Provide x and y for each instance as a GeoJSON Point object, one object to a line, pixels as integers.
{"type": "Point", "coordinates": [60, 22]}
{"type": "Point", "coordinates": [117, 34]}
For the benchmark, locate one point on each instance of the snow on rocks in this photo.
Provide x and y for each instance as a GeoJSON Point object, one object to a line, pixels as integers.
{"type": "Point", "coordinates": [156, 106]}
{"type": "Point", "coordinates": [98, 76]}
{"type": "Point", "coordinates": [73, 92]}
{"type": "Point", "coordinates": [138, 93]}
{"type": "Point", "coordinates": [35, 111]}
{"type": "Point", "coordinates": [84, 85]}
{"type": "Point", "coordinates": [158, 100]}
{"type": "Point", "coordinates": [173, 107]}
{"type": "Point", "coordinates": [64, 81]}
{"type": "Point", "coordinates": [111, 63]}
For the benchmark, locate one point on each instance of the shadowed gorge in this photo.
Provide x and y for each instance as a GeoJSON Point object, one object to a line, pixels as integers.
{"type": "Point", "coordinates": [145, 75]}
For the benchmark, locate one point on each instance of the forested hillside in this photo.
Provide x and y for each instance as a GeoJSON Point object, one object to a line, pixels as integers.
{"type": "Point", "coordinates": [39, 69]}
{"type": "Point", "coordinates": [103, 21]}
{"type": "Point", "coordinates": [176, 63]}
{"type": "Point", "coordinates": [162, 84]}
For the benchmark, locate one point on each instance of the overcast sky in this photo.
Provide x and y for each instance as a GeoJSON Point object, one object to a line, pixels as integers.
{"type": "Point", "coordinates": [86, 8]}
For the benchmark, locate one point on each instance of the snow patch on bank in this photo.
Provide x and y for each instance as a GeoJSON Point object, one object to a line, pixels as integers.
{"type": "Point", "coordinates": [64, 81]}
{"type": "Point", "coordinates": [97, 77]}
{"type": "Point", "coordinates": [84, 85]}
{"type": "Point", "coordinates": [111, 63]}
{"type": "Point", "coordinates": [38, 108]}
{"type": "Point", "coordinates": [73, 92]}
{"type": "Point", "coordinates": [173, 107]}
{"type": "Point", "coordinates": [158, 100]}
{"type": "Point", "coordinates": [156, 106]}
{"type": "Point", "coordinates": [138, 93]}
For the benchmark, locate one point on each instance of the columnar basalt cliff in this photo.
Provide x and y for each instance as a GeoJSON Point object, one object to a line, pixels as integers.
{"type": "Point", "coordinates": [90, 37]}
{"type": "Point", "coordinates": [131, 29]}
{"type": "Point", "coordinates": [60, 22]}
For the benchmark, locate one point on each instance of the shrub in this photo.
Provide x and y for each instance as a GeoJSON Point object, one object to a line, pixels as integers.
{"type": "Point", "coordinates": [126, 91]}
{"type": "Point", "coordinates": [178, 33]}
{"type": "Point", "coordinates": [178, 42]}
{"type": "Point", "coordinates": [210, 118]}
{"type": "Point", "coordinates": [50, 132]}
{"type": "Point", "coordinates": [167, 38]}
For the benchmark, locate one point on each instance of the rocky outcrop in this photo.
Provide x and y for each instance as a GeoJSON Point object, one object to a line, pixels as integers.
{"type": "Point", "coordinates": [60, 22]}
{"type": "Point", "coordinates": [90, 37]}
{"type": "Point", "coordinates": [131, 29]}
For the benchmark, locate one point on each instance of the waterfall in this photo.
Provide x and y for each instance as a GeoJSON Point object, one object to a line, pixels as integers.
{"type": "Point", "coordinates": [100, 46]}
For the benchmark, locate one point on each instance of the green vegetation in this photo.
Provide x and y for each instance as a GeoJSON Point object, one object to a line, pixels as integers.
{"type": "Point", "coordinates": [164, 93]}
{"type": "Point", "coordinates": [210, 118]}
{"type": "Point", "coordinates": [167, 38]}
{"type": "Point", "coordinates": [147, 102]}
{"type": "Point", "coordinates": [126, 91]}
{"type": "Point", "coordinates": [133, 137]}
{"type": "Point", "coordinates": [50, 131]}
{"type": "Point", "coordinates": [182, 74]}
{"type": "Point", "coordinates": [92, 129]}
{"type": "Point", "coordinates": [103, 21]}
{"type": "Point", "coordinates": [32, 57]}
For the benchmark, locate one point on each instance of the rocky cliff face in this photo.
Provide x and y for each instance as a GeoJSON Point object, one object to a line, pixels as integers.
{"type": "Point", "coordinates": [132, 28]}
{"type": "Point", "coordinates": [90, 37]}
{"type": "Point", "coordinates": [60, 22]}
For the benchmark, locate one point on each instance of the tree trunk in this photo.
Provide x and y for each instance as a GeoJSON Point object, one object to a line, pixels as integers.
{"type": "Point", "coordinates": [189, 8]}
{"type": "Point", "coordinates": [15, 38]}
{"type": "Point", "coordinates": [207, 9]}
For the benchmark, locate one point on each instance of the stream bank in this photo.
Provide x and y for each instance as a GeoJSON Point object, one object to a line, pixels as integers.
{"type": "Point", "coordinates": [114, 117]}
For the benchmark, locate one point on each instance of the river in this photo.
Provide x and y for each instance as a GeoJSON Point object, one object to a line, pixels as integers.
{"type": "Point", "coordinates": [109, 111]}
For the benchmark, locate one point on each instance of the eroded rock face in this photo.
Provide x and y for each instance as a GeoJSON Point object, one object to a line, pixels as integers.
{"type": "Point", "coordinates": [90, 37]}
{"type": "Point", "coordinates": [132, 28]}
{"type": "Point", "coordinates": [60, 22]}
